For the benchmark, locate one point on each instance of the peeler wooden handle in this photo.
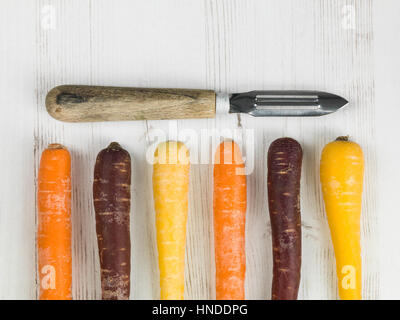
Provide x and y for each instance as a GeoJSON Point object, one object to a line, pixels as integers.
{"type": "Point", "coordinates": [73, 103]}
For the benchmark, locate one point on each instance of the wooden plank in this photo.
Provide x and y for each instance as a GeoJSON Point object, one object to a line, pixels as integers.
{"type": "Point", "coordinates": [387, 85]}
{"type": "Point", "coordinates": [63, 57]}
{"type": "Point", "coordinates": [136, 63]}
{"type": "Point", "coordinates": [301, 45]}
{"type": "Point", "coordinates": [17, 193]}
{"type": "Point", "coordinates": [223, 45]}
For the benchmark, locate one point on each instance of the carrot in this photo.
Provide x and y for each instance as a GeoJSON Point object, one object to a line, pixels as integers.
{"type": "Point", "coordinates": [54, 224]}
{"type": "Point", "coordinates": [341, 173]}
{"type": "Point", "coordinates": [112, 199]}
{"type": "Point", "coordinates": [230, 201]}
{"type": "Point", "coordinates": [284, 172]}
{"type": "Point", "coordinates": [170, 191]}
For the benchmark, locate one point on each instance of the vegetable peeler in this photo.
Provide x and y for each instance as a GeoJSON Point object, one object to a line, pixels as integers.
{"type": "Point", "coordinates": [75, 103]}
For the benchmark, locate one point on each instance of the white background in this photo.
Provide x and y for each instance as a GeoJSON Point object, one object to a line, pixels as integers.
{"type": "Point", "coordinates": [347, 47]}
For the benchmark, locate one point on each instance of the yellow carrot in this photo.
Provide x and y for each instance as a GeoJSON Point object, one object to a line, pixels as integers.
{"type": "Point", "coordinates": [341, 172]}
{"type": "Point", "coordinates": [170, 191]}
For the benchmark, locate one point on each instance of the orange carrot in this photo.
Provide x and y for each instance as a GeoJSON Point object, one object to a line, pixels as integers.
{"type": "Point", "coordinates": [230, 201]}
{"type": "Point", "coordinates": [54, 226]}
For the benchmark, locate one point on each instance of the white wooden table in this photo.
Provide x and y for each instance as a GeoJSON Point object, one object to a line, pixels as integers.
{"type": "Point", "coordinates": [347, 47]}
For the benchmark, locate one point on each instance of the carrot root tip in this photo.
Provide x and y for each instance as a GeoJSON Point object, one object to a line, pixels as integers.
{"type": "Point", "coordinates": [342, 138]}
{"type": "Point", "coordinates": [114, 145]}
{"type": "Point", "coordinates": [53, 146]}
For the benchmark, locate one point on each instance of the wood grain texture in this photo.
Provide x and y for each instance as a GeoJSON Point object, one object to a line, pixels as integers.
{"type": "Point", "coordinates": [17, 191]}
{"type": "Point", "coordinates": [387, 84]}
{"type": "Point", "coordinates": [341, 46]}
{"type": "Point", "coordinates": [72, 103]}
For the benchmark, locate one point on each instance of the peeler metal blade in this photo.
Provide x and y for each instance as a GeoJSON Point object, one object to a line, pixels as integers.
{"type": "Point", "coordinates": [291, 103]}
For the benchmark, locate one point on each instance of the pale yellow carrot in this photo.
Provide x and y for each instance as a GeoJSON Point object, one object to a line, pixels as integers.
{"type": "Point", "coordinates": [170, 191]}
